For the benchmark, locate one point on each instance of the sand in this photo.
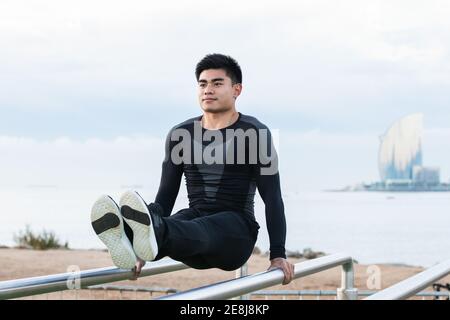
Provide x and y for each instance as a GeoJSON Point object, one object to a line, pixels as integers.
{"type": "Point", "coordinates": [23, 263]}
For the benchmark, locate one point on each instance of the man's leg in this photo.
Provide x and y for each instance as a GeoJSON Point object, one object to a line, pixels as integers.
{"type": "Point", "coordinates": [221, 240]}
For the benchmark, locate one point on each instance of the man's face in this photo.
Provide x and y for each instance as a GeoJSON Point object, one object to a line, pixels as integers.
{"type": "Point", "coordinates": [216, 93]}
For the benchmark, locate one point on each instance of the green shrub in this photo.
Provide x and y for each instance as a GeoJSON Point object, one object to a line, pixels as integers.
{"type": "Point", "coordinates": [43, 241]}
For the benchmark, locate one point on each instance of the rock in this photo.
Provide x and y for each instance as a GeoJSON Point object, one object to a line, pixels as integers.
{"type": "Point", "coordinates": [308, 253]}
{"type": "Point", "coordinates": [294, 254]}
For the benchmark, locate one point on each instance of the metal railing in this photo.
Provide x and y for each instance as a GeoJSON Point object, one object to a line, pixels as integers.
{"type": "Point", "coordinates": [333, 293]}
{"type": "Point", "coordinates": [242, 286]}
{"type": "Point", "coordinates": [80, 279]}
{"type": "Point", "coordinates": [414, 284]}
{"type": "Point", "coordinates": [243, 272]}
{"type": "Point", "coordinates": [247, 284]}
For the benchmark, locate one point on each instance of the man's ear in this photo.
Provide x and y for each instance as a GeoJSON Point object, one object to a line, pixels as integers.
{"type": "Point", "coordinates": [237, 90]}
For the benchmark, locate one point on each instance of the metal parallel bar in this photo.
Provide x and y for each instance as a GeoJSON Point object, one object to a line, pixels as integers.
{"type": "Point", "coordinates": [347, 292]}
{"type": "Point", "coordinates": [414, 284]}
{"type": "Point", "coordinates": [236, 287]}
{"type": "Point", "coordinates": [242, 272]}
{"type": "Point", "coordinates": [334, 293]}
{"type": "Point", "coordinates": [131, 288]}
{"type": "Point", "coordinates": [294, 293]}
{"type": "Point", "coordinates": [45, 284]}
{"type": "Point", "coordinates": [263, 292]}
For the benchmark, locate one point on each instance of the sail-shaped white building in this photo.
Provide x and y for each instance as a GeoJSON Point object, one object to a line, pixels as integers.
{"type": "Point", "coordinates": [400, 159]}
{"type": "Point", "coordinates": [401, 149]}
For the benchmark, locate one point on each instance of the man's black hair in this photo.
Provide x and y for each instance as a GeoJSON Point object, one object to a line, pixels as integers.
{"type": "Point", "coordinates": [220, 61]}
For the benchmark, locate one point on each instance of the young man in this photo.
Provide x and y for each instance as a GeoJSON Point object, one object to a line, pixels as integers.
{"type": "Point", "coordinates": [225, 156]}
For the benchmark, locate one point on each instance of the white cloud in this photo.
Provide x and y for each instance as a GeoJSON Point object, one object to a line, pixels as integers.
{"type": "Point", "coordinates": [317, 57]}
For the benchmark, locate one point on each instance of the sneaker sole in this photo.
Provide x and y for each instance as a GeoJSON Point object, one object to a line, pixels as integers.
{"type": "Point", "coordinates": [108, 225]}
{"type": "Point", "coordinates": [144, 240]}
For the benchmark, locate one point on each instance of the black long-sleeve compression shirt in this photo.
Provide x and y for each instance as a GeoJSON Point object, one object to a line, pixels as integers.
{"type": "Point", "coordinates": [222, 169]}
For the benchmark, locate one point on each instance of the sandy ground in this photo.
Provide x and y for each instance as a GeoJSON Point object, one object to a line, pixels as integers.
{"type": "Point", "coordinates": [21, 263]}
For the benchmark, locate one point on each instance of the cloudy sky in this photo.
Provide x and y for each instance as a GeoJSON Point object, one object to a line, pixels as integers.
{"type": "Point", "coordinates": [88, 89]}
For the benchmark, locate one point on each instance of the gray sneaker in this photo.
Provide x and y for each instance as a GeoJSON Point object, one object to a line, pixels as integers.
{"type": "Point", "coordinates": [108, 225]}
{"type": "Point", "coordinates": [136, 214]}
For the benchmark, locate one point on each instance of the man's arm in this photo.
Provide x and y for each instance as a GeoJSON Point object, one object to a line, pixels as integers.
{"type": "Point", "coordinates": [170, 179]}
{"type": "Point", "coordinates": [268, 184]}
{"type": "Point", "coordinates": [269, 189]}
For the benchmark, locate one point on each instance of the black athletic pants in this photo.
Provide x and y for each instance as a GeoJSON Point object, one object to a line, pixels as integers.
{"type": "Point", "coordinates": [223, 240]}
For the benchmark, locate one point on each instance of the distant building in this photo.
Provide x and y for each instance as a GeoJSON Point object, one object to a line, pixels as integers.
{"type": "Point", "coordinates": [426, 175]}
{"type": "Point", "coordinates": [401, 149]}
{"type": "Point", "coordinates": [400, 160]}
